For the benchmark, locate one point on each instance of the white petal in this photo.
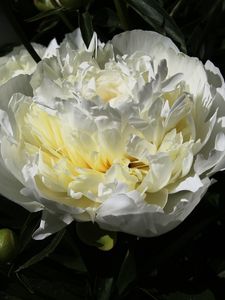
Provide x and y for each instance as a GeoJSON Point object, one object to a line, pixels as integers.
{"type": "Point", "coordinates": [10, 188]}
{"type": "Point", "coordinates": [51, 49]}
{"type": "Point", "coordinates": [129, 213]}
{"type": "Point", "coordinates": [159, 174]}
{"type": "Point", "coordinates": [19, 84]}
{"type": "Point", "coordinates": [51, 223]}
{"type": "Point", "coordinates": [181, 63]}
{"type": "Point", "coordinates": [75, 41]}
{"type": "Point", "coordinates": [214, 76]}
{"type": "Point", "coordinates": [152, 43]}
{"type": "Point", "coordinates": [191, 183]}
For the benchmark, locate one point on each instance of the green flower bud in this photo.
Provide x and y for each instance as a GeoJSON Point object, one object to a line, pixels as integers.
{"type": "Point", "coordinates": [92, 235]}
{"type": "Point", "coordinates": [7, 245]}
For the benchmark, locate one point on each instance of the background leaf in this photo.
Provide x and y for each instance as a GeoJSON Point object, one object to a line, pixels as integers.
{"type": "Point", "coordinates": [152, 12]}
{"type": "Point", "coordinates": [127, 273]}
{"type": "Point", "coordinates": [86, 27]}
{"type": "Point", "coordinates": [45, 252]}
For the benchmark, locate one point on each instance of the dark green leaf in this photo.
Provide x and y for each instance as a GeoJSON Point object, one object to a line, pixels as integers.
{"type": "Point", "coordinates": [122, 13]}
{"type": "Point", "coordinates": [127, 273]}
{"type": "Point", "coordinates": [86, 27]}
{"type": "Point", "coordinates": [106, 17]}
{"type": "Point", "coordinates": [70, 262]}
{"type": "Point", "coordinates": [206, 295]}
{"type": "Point", "coordinates": [45, 252]}
{"type": "Point", "coordinates": [92, 235]}
{"type": "Point", "coordinates": [44, 14]}
{"type": "Point", "coordinates": [152, 12]}
{"type": "Point", "coordinates": [27, 230]}
{"type": "Point", "coordinates": [103, 288]}
{"type": "Point", "coordinates": [19, 30]}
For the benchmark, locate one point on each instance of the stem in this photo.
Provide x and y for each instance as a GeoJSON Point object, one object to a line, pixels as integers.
{"type": "Point", "coordinates": [121, 10]}
{"type": "Point", "coordinates": [176, 7]}
{"type": "Point", "coordinates": [18, 29]}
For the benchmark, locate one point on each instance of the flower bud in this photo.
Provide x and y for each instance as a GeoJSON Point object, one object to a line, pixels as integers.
{"type": "Point", "coordinates": [92, 235]}
{"type": "Point", "coordinates": [7, 245]}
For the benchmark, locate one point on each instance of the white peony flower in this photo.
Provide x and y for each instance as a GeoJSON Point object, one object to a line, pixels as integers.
{"type": "Point", "coordinates": [125, 134]}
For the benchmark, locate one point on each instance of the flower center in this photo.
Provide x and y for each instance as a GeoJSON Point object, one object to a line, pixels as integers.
{"type": "Point", "coordinates": [111, 86]}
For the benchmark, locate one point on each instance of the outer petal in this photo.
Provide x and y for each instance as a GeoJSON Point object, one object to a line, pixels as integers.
{"type": "Point", "coordinates": [10, 188]}
{"type": "Point", "coordinates": [51, 223]}
{"type": "Point", "coordinates": [17, 62]}
{"type": "Point", "coordinates": [160, 47]}
{"type": "Point", "coordinates": [18, 84]}
{"type": "Point", "coordinates": [129, 213]}
{"type": "Point", "coordinates": [75, 41]}
{"type": "Point", "coordinates": [152, 43]}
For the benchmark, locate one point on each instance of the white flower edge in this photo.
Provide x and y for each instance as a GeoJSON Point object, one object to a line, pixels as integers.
{"type": "Point", "coordinates": [19, 61]}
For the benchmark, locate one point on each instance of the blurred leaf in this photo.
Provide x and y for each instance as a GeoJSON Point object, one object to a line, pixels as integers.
{"type": "Point", "coordinates": [43, 5]}
{"type": "Point", "coordinates": [221, 274]}
{"type": "Point", "coordinates": [206, 295]}
{"type": "Point", "coordinates": [11, 215]}
{"type": "Point", "coordinates": [127, 273]}
{"type": "Point", "coordinates": [106, 17]}
{"type": "Point", "coordinates": [103, 288]}
{"type": "Point", "coordinates": [122, 13]}
{"type": "Point", "coordinates": [45, 14]}
{"type": "Point", "coordinates": [86, 27]}
{"type": "Point", "coordinates": [70, 255]}
{"type": "Point", "coordinates": [46, 281]}
{"type": "Point", "coordinates": [19, 30]}
{"type": "Point", "coordinates": [7, 48]}
{"type": "Point", "coordinates": [45, 252]}
{"type": "Point", "coordinates": [213, 199]}
{"type": "Point", "coordinates": [92, 235]}
{"type": "Point", "coordinates": [152, 12]}
{"type": "Point", "coordinates": [25, 282]}
{"type": "Point", "coordinates": [69, 261]}
{"type": "Point", "coordinates": [27, 230]}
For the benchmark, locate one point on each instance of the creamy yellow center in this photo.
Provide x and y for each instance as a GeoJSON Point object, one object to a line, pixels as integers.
{"type": "Point", "coordinates": [110, 85]}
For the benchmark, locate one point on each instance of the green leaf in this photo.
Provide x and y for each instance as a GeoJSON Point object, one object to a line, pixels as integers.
{"type": "Point", "coordinates": [86, 27]}
{"type": "Point", "coordinates": [106, 17]}
{"type": "Point", "coordinates": [92, 235]}
{"type": "Point", "coordinates": [69, 261]}
{"type": "Point", "coordinates": [152, 12]}
{"type": "Point", "coordinates": [122, 13]}
{"type": "Point", "coordinates": [103, 288]}
{"type": "Point", "coordinates": [28, 229]}
{"type": "Point", "coordinates": [70, 256]}
{"type": "Point", "coordinates": [45, 252]}
{"type": "Point", "coordinates": [127, 273]}
{"type": "Point", "coordinates": [206, 295]}
{"type": "Point", "coordinates": [45, 14]}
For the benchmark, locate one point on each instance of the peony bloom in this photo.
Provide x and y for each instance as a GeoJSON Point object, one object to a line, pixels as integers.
{"type": "Point", "coordinates": [125, 134]}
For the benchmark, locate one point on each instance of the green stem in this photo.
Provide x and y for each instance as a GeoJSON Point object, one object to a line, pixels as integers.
{"type": "Point", "coordinates": [19, 31]}
{"type": "Point", "coordinates": [175, 8]}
